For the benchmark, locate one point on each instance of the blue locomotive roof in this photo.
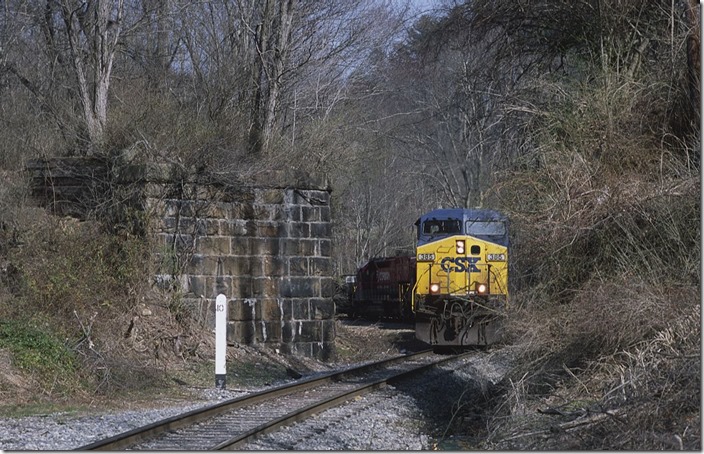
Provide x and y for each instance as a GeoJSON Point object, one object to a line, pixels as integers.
{"type": "Point", "coordinates": [465, 217]}
{"type": "Point", "coordinates": [473, 214]}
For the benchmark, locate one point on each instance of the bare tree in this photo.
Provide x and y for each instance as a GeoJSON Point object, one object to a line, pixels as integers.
{"type": "Point", "coordinates": [35, 80]}
{"type": "Point", "coordinates": [376, 214]}
{"type": "Point", "coordinates": [93, 28]}
{"type": "Point", "coordinates": [277, 66]}
{"type": "Point", "coordinates": [273, 39]}
{"type": "Point", "coordinates": [152, 41]}
{"type": "Point", "coordinates": [453, 128]}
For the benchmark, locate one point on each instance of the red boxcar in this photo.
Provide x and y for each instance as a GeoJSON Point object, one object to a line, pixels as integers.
{"type": "Point", "coordinates": [383, 288]}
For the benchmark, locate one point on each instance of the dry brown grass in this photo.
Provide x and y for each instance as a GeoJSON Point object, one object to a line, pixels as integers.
{"type": "Point", "coordinates": [86, 288]}
{"type": "Point", "coordinates": [607, 260]}
{"type": "Point", "coordinates": [644, 397]}
{"type": "Point", "coordinates": [613, 311]}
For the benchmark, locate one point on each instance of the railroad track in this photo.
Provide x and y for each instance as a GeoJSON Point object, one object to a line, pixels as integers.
{"type": "Point", "coordinates": [233, 423]}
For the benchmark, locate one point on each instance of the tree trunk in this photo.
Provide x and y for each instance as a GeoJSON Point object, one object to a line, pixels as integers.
{"type": "Point", "coordinates": [93, 28]}
{"type": "Point", "coordinates": [273, 41]}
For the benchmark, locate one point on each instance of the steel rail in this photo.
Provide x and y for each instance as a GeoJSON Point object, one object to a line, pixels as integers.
{"type": "Point", "coordinates": [304, 413]}
{"type": "Point", "coordinates": [140, 434]}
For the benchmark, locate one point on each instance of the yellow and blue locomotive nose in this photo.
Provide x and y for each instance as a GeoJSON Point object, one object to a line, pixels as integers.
{"type": "Point", "coordinates": [461, 276]}
{"type": "Point", "coordinates": [452, 271]}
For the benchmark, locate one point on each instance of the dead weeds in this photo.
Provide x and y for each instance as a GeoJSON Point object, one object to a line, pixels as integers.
{"type": "Point", "coordinates": [643, 396]}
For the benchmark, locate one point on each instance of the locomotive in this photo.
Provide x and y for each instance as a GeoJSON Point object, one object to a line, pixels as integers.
{"type": "Point", "coordinates": [383, 288]}
{"type": "Point", "coordinates": [461, 284]}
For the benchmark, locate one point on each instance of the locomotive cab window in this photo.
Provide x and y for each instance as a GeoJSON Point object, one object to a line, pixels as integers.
{"type": "Point", "coordinates": [442, 227]}
{"type": "Point", "coordinates": [494, 228]}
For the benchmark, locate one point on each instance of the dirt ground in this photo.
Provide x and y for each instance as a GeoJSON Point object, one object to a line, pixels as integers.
{"type": "Point", "coordinates": [249, 367]}
{"type": "Point", "coordinates": [357, 341]}
{"type": "Point", "coordinates": [361, 340]}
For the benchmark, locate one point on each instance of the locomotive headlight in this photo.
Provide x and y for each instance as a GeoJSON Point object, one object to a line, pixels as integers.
{"type": "Point", "coordinates": [481, 289]}
{"type": "Point", "coordinates": [459, 245]}
{"type": "Point", "coordinates": [434, 288]}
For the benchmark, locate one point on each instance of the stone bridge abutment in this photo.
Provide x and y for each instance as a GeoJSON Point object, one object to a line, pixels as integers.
{"type": "Point", "coordinates": [264, 241]}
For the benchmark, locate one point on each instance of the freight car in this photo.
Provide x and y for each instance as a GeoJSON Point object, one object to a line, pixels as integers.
{"type": "Point", "coordinates": [461, 286]}
{"type": "Point", "coordinates": [383, 288]}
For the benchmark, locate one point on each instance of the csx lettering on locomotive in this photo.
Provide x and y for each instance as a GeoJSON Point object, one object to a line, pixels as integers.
{"type": "Point", "coordinates": [462, 264]}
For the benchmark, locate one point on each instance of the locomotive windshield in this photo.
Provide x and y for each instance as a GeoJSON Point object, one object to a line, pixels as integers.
{"type": "Point", "coordinates": [482, 224]}
{"type": "Point", "coordinates": [442, 227]}
{"type": "Point", "coordinates": [486, 228]}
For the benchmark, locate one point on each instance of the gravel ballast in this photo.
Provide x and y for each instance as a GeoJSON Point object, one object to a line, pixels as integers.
{"type": "Point", "coordinates": [395, 418]}
{"type": "Point", "coordinates": [382, 420]}
{"type": "Point", "coordinates": [61, 431]}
